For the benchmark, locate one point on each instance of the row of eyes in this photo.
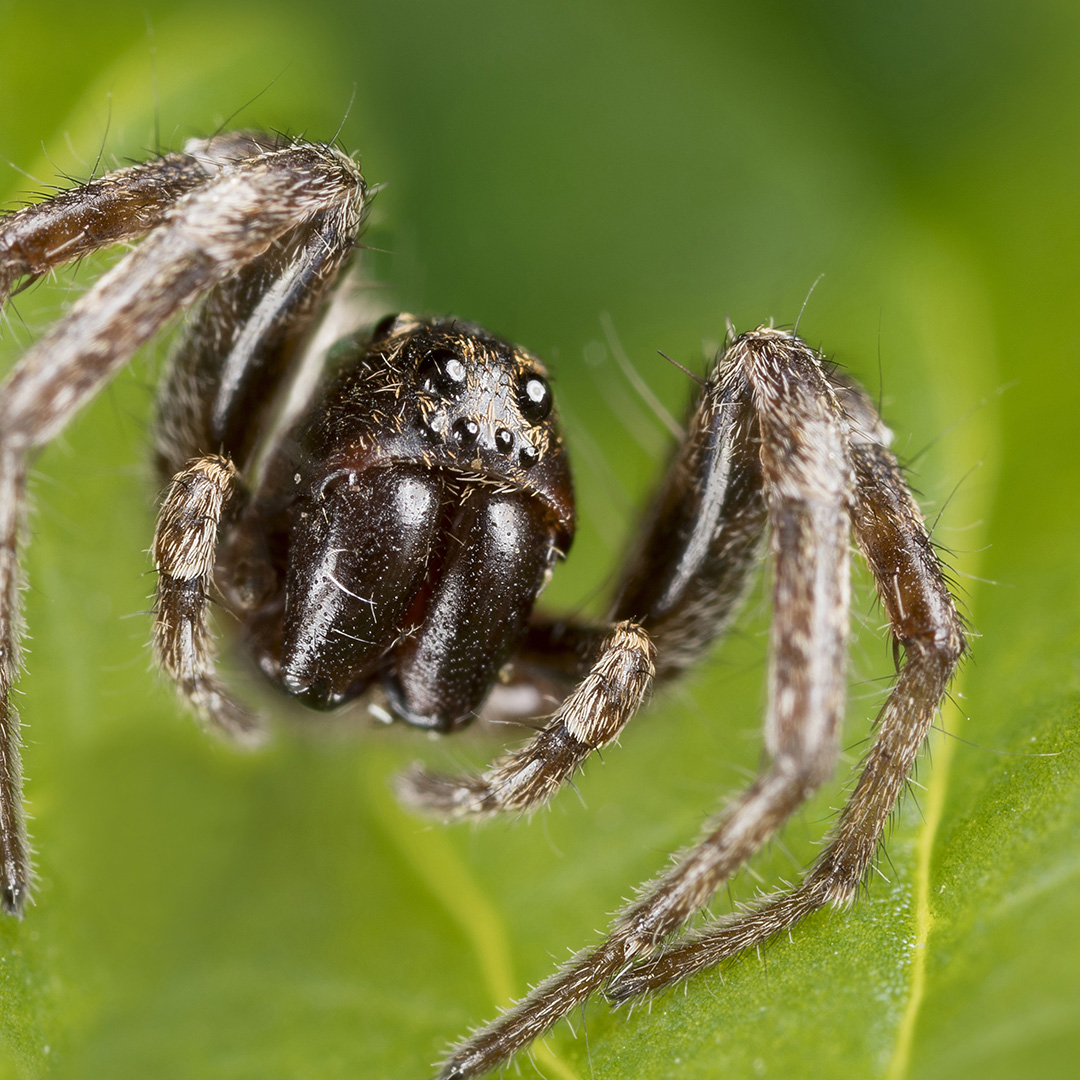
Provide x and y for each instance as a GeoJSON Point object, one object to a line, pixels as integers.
{"type": "Point", "coordinates": [444, 373]}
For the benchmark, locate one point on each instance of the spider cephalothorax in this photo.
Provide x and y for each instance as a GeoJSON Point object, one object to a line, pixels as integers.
{"type": "Point", "coordinates": [405, 524]}
{"type": "Point", "coordinates": [388, 528]}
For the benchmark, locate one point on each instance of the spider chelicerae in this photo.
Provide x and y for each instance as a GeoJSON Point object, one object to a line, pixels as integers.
{"type": "Point", "coordinates": [386, 527]}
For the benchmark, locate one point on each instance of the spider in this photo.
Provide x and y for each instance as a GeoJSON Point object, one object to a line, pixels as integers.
{"type": "Point", "coordinates": [386, 528]}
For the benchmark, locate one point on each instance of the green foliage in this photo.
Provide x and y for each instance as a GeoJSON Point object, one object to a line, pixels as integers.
{"type": "Point", "coordinates": [209, 914]}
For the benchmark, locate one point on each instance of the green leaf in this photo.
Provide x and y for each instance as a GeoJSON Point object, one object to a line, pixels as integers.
{"type": "Point", "coordinates": [207, 913]}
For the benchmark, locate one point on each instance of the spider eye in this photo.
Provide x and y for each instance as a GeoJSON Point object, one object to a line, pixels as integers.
{"type": "Point", "coordinates": [442, 372]}
{"type": "Point", "coordinates": [534, 399]}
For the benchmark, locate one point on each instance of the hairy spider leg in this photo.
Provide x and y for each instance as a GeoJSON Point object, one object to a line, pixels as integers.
{"type": "Point", "coordinates": [119, 207]}
{"type": "Point", "coordinates": [237, 354]}
{"type": "Point", "coordinates": [525, 779]}
{"type": "Point", "coordinates": [804, 444]}
{"type": "Point", "coordinates": [215, 225]}
{"type": "Point", "coordinates": [923, 619]}
{"type": "Point", "coordinates": [185, 551]}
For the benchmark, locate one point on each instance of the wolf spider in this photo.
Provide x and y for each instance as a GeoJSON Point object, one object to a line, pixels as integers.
{"type": "Point", "coordinates": [388, 529]}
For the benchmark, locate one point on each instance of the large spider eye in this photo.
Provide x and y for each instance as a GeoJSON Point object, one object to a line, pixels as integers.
{"type": "Point", "coordinates": [534, 399]}
{"type": "Point", "coordinates": [442, 372]}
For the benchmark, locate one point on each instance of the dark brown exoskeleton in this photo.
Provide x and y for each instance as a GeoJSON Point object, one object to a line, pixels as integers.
{"type": "Point", "coordinates": [404, 526]}
{"type": "Point", "coordinates": [388, 526]}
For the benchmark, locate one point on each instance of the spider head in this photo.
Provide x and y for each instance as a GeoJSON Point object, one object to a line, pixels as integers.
{"type": "Point", "coordinates": [474, 405]}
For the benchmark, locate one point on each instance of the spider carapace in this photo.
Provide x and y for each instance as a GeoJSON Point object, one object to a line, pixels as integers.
{"type": "Point", "coordinates": [387, 527]}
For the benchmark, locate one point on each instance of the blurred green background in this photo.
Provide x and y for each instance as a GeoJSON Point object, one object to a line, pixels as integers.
{"type": "Point", "coordinates": [550, 167]}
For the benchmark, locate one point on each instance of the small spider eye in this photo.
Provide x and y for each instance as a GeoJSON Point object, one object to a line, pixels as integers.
{"type": "Point", "coordinates": [467, 432]}
{"type": "Point", "coordinates": [534, 401]}
{"type": "Point", "coordinates": [442, 372]}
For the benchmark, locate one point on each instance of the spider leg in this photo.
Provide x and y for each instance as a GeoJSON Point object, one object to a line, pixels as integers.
{"type": "Point", "coordinates": [226, 373]}
{"type": "Point", "coordinates": [807, 474]}
{"type": "Point", "coordinates": [525, 779]}
{"type": "Point", "coordinates": [923, 619]}
{"type": "Point", "coordinates": [699, 549]}
{"type": "Point", "coordinates": [207, 235]}
{"type": "Point", "coordinates": [119, 207]}
{"type": "Point", "coordinates": [116, 208]}
{"type": "Point", "coordinates": [184, 549]}
{"type": "Point", "coordinates": [15, 870]}
{"type": "Point", "coordinates": [204, 236]}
